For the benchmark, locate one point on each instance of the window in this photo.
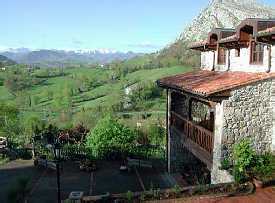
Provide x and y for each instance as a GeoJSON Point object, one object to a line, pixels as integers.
{"type": "Point", "coordinates": [221, 56]}
{"type": "Point", "coordinates": [257, 53]}
{"type": "Point", "coordinates": [237, 52]}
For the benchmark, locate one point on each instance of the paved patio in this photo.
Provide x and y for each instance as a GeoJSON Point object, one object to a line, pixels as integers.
{"type": "Point", "coordinates": [108, 178]}
{"type": "Point", "coordinates": [13, 170]}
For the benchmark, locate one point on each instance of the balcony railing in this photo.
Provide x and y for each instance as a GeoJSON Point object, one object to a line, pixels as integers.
{"type": "Point", "coordinates": [199, 135]}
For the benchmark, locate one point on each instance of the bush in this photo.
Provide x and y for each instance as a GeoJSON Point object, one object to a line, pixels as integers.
{"type": "Point", "coordinates": [248, 164]}
{"type": "Point", "coordinates": [24, 154]}
{"type": "Point", "coordinates": [244, 156]}
{"type": "Point", "coordinates": [108, 138]}
{"type": "Point", "coordinates": [263, 167]}
{"type": "Point", "coordinates": [156, 134]}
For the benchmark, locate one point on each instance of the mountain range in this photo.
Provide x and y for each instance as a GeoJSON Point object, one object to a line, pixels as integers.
{"type": "Point", "coordinates": [218, 13]}
{"type": "Point", "coordinates": [55, 57]}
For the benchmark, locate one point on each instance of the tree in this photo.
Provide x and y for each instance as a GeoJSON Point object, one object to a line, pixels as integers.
{"type": "Point", "coordinates": [31, 123]}
{"type": "Point", "coordinates": [110, 137]}
{"type": "Point", "coordinates": [10, 125]}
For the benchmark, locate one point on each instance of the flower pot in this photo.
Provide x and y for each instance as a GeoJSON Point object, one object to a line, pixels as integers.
{"type": "Point", "coordinates": [258, 183]}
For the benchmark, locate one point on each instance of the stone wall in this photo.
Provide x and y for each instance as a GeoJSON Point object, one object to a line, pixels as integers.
{"type": "Point", "coordinates": [273, 114]}
{"type": "Point", "coordinates": [248, 115]}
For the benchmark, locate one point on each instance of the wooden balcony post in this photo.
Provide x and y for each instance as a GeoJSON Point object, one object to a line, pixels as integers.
{"type": "Point", "coordinates": [168, 130]}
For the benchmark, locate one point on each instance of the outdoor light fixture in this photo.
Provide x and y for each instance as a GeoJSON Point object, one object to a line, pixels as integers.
{"type": "Point", "coordinates": [57, 156]}
{"type": "Point", "coordinates": [57, 151]}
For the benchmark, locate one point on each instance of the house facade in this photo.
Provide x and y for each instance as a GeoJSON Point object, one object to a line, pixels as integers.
{"type": "Point", "coordinates": [231, 98]}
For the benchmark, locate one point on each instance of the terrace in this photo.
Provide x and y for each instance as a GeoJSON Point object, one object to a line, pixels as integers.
{"type": "Point", "coordinates": [108, 178]}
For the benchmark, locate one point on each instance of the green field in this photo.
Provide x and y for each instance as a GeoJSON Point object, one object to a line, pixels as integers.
{"type": "Point", "coordinates": [61, 93]}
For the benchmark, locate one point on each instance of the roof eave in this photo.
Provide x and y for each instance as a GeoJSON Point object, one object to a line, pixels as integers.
{"type": "Point", "coordinates": [177, 88]}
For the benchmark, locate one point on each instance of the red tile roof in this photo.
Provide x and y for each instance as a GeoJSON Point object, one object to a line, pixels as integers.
{"type": "Point", "coordinates": [206, 83]}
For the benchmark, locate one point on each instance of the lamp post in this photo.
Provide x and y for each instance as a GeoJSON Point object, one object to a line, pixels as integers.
{"type": "Point", "coordinates": [57, 156]}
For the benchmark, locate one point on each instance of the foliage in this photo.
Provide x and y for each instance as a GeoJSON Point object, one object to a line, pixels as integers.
{"type": "Point", "coordinates": [248, 164]}
{"type": "Point", "coordinates": [49, 72]}
{"type": "Point", "coordinates": [17, 80]}
{"type": "Point", "coordinates": [3, 160]}
{"type": "Point", "coordinates": [74, 151]}
{"type": "Point", "coordinates": [46, 96]}
{"type": "Point", "coordinates": [75, 135]}
{"type": "Point", "coordinates": [225, 164]}
{"type": "Point", "coordinates": [264, 166]}
{"type": "Point", "coordinates": [110, 137]}
{"type": "Point", "coordinates": [178, 53]}
{"type": "Point", "coordinates": [10, 124]}
{"type": "Point", "coordinates": [156, 134]}
{"type": "Point", "coordinates": [143, 92]}
{"type": "Point", "coordinates": [129, 196]}
{"type": "Point", "coordinates": [244, 157]}
{"type": "Point", "coordinates": [176, 190]}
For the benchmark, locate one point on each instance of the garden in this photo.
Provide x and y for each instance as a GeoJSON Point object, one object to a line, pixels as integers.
{"type": "Point", "coordinates": [117, 153]}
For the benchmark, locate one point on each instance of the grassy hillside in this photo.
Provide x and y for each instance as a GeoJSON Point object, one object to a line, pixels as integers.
{"type": "Point", "coordinates": [76, 93]}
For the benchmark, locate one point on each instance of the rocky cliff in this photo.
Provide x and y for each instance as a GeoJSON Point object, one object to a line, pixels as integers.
{"type": "Point", "coordinates": [224, 13]}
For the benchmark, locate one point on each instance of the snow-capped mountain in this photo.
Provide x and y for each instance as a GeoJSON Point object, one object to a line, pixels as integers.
{"type": "Point", "coordinates": [45, 56]}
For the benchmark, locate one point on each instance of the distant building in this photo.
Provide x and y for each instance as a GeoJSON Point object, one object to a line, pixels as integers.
{"type": "Point", "coordinates": [230, 99]}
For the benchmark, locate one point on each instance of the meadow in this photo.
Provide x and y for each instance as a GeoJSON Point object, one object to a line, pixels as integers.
{"type": "Point", "coordinates": [72, 96]}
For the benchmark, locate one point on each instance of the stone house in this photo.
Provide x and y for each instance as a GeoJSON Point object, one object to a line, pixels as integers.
{"type": "Point", "coordinates": [231, 98]}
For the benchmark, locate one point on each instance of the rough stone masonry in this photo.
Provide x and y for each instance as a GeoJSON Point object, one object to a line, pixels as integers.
{"type": "Point", "coordinates": [248, 115]}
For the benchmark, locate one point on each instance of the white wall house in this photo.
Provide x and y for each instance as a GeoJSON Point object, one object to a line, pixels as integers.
{"type": "Point", "coordinates": [249, 48]}
{"type": "Point", "coordinates": [238, 60]}
{"type": "Point", "coordinates": [209, 111]}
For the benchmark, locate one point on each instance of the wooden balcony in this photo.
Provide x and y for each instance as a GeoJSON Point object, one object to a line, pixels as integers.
{"type": "Point", "coordinates": [196, 138]}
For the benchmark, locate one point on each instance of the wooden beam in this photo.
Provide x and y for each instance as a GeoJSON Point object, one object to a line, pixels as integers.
{"type": "Point", "coordinates": [223, 94]}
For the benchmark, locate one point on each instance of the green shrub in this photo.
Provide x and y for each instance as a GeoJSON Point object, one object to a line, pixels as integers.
{"type": "Point", "coordinates": [244, 157]}
{"type": "Point", "coordinates": [156, 134]}
{"type": "Point", "coordinates": [248, 164]}
{"type": "Point", "coordinates": [176, 190]}
{"type": "Point", "coordinates": [110, 137]}
{"type": "Point", "coordinates": [129, 196]}
{"type": "Point", "coordinates": [263, 167]}
{"type": "Point", "coordinates": [225, 164]}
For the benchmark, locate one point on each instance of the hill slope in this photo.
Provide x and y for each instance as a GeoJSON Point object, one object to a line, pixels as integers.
{"type": "Point", "coordinates": [5, 61]}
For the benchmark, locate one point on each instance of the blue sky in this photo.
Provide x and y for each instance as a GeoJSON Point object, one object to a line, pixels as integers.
{"type": "Point", "coordinates": [137, 25]}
